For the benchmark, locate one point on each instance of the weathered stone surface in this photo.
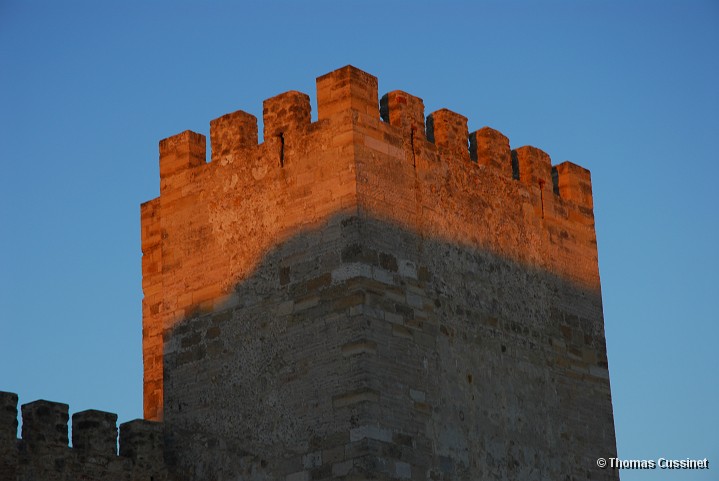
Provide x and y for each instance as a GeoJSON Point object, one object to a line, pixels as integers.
{"type": "Point", "coordinates": [491, 148]}
{"type": "Point", "coordinates": [353, 298]}
{"type": "Point", "coordinates": [43, 454]}
{"type": "Point", "coordinates": [95, 432]}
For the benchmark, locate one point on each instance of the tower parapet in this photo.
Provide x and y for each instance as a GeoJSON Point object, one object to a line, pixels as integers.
{"type": "Point", "coordinates": [372, 294]}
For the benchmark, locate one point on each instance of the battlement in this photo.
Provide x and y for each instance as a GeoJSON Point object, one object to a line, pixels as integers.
{"type": "Point", "coordinates": [94, 451]}
{"type": "Point", "coordinates": [390, 135]}
{"type": "Point", "coordinates": [445, 139]}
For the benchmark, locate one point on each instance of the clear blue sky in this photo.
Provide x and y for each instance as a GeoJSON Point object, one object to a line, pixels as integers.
{"type": "Point", "coordinates": [626, 89]}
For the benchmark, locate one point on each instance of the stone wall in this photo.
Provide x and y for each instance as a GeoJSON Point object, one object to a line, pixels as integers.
{"type": "Point", "coordinates": [366, 297]}
{"type": "Point", "coordinates": [43, 454]}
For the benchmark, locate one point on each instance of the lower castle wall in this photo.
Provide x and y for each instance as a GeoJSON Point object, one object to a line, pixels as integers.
{"type": "Point", "coordinates": [43, 453]}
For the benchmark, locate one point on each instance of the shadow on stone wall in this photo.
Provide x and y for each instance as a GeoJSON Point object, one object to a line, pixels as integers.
{"type": "Point", "coordinates": [362, 349]}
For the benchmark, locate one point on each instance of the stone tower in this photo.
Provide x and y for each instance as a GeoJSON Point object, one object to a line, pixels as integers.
{"type": "Point", "coordinates": [369, 296]}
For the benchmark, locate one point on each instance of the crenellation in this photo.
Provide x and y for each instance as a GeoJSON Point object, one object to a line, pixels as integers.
{"type": "Point", "coordinates": [95, 432]}
{"type": "Point", "coordinates": [574, 184]}
{"type": "Point", "coordinates": [491, 148]}
{"type": "Point", "coordinates": [8, 418]}
{"type": "Point", "coordinates": [535, 167]}
{"type": "Point", "coordinates": [232, 135]}
{"type": "Point", "coordinates": [448, 130]}
{"type": "Point", "coordinates": [142, 441]}
{"type": "Point", "coordinates": [44, 425]}
{"type": "Point", "coordinates": [286, 114]}
{"type": "Point", "coordinates": [43, 452]}
{"type": "Point", "coordinates": [404, 111]}
{"type": "Point", "coordinates": [288, 128]}
{"type": "Point", "coordinates": [347, 88]}
{"type": "Point", "coordinates": [8, 436]}
{"type": "Point", "coordinates": [181, 152]}
{"type": "Point", "coordinates": [535, 172]}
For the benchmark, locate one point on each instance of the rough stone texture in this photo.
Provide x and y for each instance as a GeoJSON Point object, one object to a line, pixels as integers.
{"type": "Point", "coordinates": [404, 111]}
{"type": "Point", "coordinates": [448, 131]}
{"type": "Point", "coordinates": [355, 298]}
{"type": "Point", "coordinates": [491, 148]}
{"type": "Point", "coordinates": [95, 432]}
{"type": "Point", "coordinates": [43, 454]}
{"type": "Point", "coordinates": [8, 436]}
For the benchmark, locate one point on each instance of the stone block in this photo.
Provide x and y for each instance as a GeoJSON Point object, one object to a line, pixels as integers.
{"type": "Point", "coordinates": [347, 88]}
{"type": "Point", "coordinates": [44, 425]}
{"type": "Point", "coordinates": [491, 148]}
{"type": "Point", "coordinates": [95, 432]}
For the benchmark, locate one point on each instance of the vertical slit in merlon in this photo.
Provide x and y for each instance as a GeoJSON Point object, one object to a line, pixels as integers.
{"type": "Point", "coordinates": [282, 149]}
{"type": "Point", "coordinates": [411, 143]}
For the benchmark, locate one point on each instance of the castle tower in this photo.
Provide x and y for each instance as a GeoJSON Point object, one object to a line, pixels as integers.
{"type": "Point", "coordinates": [368, 296]}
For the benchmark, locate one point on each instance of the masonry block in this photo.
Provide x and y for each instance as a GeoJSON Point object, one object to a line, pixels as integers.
{"type": "Point", "coordinates": [535, 167]}
{"type": "Point", "coordinates": [95, 432]}
{"type": "Point", "coordinates": [491, 148]}
{"type": "Point", "coordinates": [347, 88]}
{"type": "Point", "coordinates": [44, 424]}
{"type": "Point", "coordinates": [404, 111]}
{"type": "Point", "coordinates": [142, 441]}
{"type": "Point", "coordinates": [8, 418]}
{"type": "Point", "coordinates": [8, 436]}
{"type": "Point", "coordinates": [180, 152]}
{"type": "Point", "coordinates": [289, 112]}
{"type": "Point", "coordinates": [232, 133]}
{"type": "Point", "coordinates": [574, 184]}
{"type": "Point", "coordinates": [448, 131]}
